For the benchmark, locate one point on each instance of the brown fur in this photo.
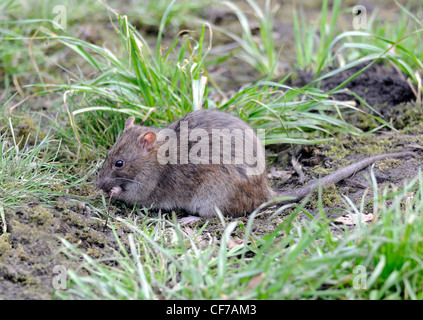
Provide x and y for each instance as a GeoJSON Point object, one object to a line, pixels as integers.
{"type": "Point", "coordinates": [196, 188]}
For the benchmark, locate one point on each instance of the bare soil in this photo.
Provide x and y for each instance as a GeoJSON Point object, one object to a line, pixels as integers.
{"type": "Point", "coordinates": [382, 86]}
{"type": "Point", "coordinates": [31, 248]}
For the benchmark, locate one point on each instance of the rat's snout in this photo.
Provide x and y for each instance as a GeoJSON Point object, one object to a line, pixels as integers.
{"type": "Point", "coordinates": [101, 179]}
{"type": "Point", "coordinates": [104, 184]}
{"type": "Point", "coordinates": [108, 186]}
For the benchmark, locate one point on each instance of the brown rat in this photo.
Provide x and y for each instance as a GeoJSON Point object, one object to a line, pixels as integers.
{"type": "Point", "coordinates": [133, 172]}
{"type": "Point", "coordinates": [186, 166]}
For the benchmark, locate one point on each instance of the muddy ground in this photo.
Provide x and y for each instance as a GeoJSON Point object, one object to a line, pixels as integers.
{"type": "Point", "coordinates": [31, 247]}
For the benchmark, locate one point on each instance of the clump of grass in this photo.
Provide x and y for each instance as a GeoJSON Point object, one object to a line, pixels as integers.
{"type": "Point", "coordinates": [260, 52]}
{"type": "Point", "coordinates": [290, 115]}
{"type": "Point", "coordinates": [399, 44]}
{"type": "Point", "coordinates": [393, 242]}
{"type": "Point", "coordinates": [153, 86]}
{"type": "Point", "coordinates": [26, 57]}
{"type": "Point", "coordinates": [380, 42]}
{"type": "Point", "coordinates": [313, 43]}
{"type": "Point", "coordinates": [160, 86]}
{"type": "Point", "coordinates": [307, 258]}
{"type": "Point", "coordinates": [27, 171]}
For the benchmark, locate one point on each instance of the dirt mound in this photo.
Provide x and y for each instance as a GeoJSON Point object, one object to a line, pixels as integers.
{"type": "Point", "coordinates": [381, 86]}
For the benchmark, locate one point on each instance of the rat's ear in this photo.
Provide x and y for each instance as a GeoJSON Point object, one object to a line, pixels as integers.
{"type": "Point", "coordinates": [147, 141]}
{"type": "Point", "coordinates": [129, 122]}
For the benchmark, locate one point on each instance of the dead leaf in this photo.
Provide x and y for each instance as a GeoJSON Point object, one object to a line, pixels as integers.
{"type": "Point", "coordinates": [232, 243]}
{"type": "Point", "coordinates": [280, 174]}
{"type": "Point", "coordinates": [352, 219]}
{"type": "Point", "coordinates": [199, 239]}
{"type": "Point", "coordinates": [255, 281]}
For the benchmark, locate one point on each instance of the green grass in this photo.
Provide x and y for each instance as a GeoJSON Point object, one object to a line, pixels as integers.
{"type": "Point", "coordinates": [310, 53]}
{"type": "Point", "coordinates": [93, 86]}
{"type": "Point", "coordinates": [28, 171]}
{"type": "Point", "coordinates": [259, 52]}
{"type": "Point", "coordinates": [179, 15]}
{"type": "Point", "coordinates": [160, 86]}
{"type": "Point", "coordinates": [380, 42]}
{"type": "Point", "coordinates": [301, 259]}
{"type": "Point", "coordinates": [157, 87]}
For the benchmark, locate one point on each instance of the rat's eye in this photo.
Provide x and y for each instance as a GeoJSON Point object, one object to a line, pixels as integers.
{"type": "Point", "coordinates": [119, 164]}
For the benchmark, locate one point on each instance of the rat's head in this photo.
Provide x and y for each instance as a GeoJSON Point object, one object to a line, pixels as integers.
{"type": "Point", "coordinates": [131, 165]}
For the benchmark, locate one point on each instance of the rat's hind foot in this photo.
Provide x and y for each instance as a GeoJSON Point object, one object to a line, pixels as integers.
{"type": "Point", "coordinates": [189, 220]}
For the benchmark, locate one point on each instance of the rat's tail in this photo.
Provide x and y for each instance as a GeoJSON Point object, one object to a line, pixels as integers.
{"type": "Point", "coordinates": [296, 195]}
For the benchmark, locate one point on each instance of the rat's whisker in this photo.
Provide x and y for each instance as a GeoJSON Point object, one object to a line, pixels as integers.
{"type": "Point", "coordinates": [131, 180]}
